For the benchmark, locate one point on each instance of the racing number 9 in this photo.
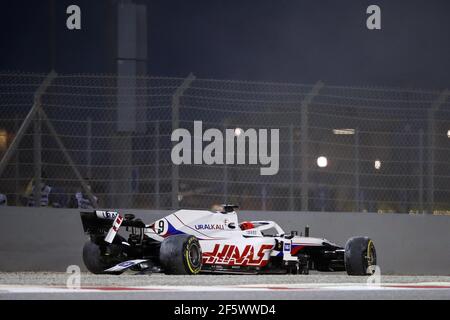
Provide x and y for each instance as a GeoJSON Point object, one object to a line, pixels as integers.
{"type": "Point", "coordinates": [161, 227]}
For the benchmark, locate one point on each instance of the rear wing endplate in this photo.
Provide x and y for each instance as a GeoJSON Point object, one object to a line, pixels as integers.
{"type": "Point", "coordinates": [101, 221]}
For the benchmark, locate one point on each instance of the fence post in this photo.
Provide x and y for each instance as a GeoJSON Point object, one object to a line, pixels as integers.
{"type": "Point", "coordinates": [264, 197]}
{"type": "Point", "coordinates": [421, 153]}
{"type": "Point", "coordinates": [157, 177]}
{"type": "Point", "coordinates": [28, 120]}
{"type": "Point", "coordinates": [69, 160]}
{"type": "Point", "coordinates": [37, 157]}
{"type": "Point", "coordinates": [175, 124]}
{"type": "Point", "coordinates": [291, 168]}
{"type": "Point", "coordinates": [431, 145]}
{"type": "Point", "coordinates": [304, 142]}
{"type": "Point", "coordinates": [225, 167]}
{"type": "Point", "coordinates": [16, 166]}
{"type": "Point", "coordinates": [89, 147]}
{"type": "Point", "coordinates": [357, 172]}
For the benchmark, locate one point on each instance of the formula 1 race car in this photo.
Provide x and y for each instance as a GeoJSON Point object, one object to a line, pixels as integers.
{"type": "Point", "coordinates": [194, 241]}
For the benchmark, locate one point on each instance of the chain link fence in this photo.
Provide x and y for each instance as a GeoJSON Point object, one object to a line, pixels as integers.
{"type": "Point", "coordinates": [380, 149]}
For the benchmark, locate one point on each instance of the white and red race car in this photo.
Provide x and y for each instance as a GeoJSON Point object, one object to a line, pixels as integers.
{"type": "Point", "coordinates": [194, 241]}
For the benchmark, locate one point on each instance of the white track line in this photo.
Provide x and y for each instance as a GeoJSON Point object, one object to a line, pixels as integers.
{"type": "Point", "coordinates": [256, 287]}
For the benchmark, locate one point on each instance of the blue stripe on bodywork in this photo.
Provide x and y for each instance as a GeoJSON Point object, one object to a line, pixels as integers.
{"type": "Point", "coordinates": [172, 231]}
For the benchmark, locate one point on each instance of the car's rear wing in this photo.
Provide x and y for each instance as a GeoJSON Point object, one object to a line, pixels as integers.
{"type": "Point", "coordinates": [99, 222]}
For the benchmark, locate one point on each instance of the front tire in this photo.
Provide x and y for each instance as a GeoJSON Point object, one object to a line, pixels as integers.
{"type": "Point", "coordinates": [181, 254]}
{"type": "Point", "coordinates": [360, 254]}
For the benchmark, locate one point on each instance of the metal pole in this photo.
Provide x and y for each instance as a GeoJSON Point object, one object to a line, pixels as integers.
{"type": "Point", "coordinates": [304, 143]}
{"type": "Point", "coordinates": [264, 197]}
{"type": "Point", "coordinates": [157, 192]}
{"type": "Point", "coordinates": [175, 124]}
{"type": "Point", "coordinates": [37, 157]}
{"type": "Point", "coordinates": [16, 166]}
{"type": "Point", "coordinates": [52, 32]}
{"type": "Point", "coordinates": [89, 148]}
{"type": "Point", "coordinates": [291, 168]}
{"type": "Point", "coordinates": [28, 120]}
{"type": "Point", "coordinates": [421, 153]}
{"type": "Point", "coordinates": [225, 167]}
{"type": "Point", "coordinates": [225, 183]}
{"type": "Point", "coordinates": [68, 158]}
{"type": "Point", "coordinates": [357, 172]}
{"type": "Point", "coordinates": [431, 130]}
{"type": "Point", "coordinates": [432, 141]}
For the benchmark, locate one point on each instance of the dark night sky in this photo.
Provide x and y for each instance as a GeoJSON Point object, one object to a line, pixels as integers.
{"type": "Point", "coordinates": [277, 40]}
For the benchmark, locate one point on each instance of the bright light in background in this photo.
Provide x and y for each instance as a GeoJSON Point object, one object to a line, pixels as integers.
{"type": "Point", "coordinates": [448, 134]}
{"type": "Point", "coordinates": [322, 161]}
{"type": "Point", "coordinates": [377, 164]}
{"type": "Point", "coordinates": [3, 140]}
{"type": "Point", "coordinates": [238, 132]}
{"type": "Point", "coordinates": [344, 131]}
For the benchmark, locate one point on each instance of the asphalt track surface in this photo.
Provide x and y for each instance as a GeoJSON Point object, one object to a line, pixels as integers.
{"type": "Point", "coordinates": [41, 285]}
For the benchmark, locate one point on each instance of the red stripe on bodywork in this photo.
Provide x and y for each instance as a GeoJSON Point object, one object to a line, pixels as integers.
{"type": "Point", "coordinates": [296, 249]}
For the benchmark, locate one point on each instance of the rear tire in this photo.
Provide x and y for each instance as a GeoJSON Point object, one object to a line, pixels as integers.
{"type": "Point", "coordinates": [360, 253]}
{"type": "Point", "coordinates": [181, 254]}
{"type": "Point", "coordinates": [94, 261]}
